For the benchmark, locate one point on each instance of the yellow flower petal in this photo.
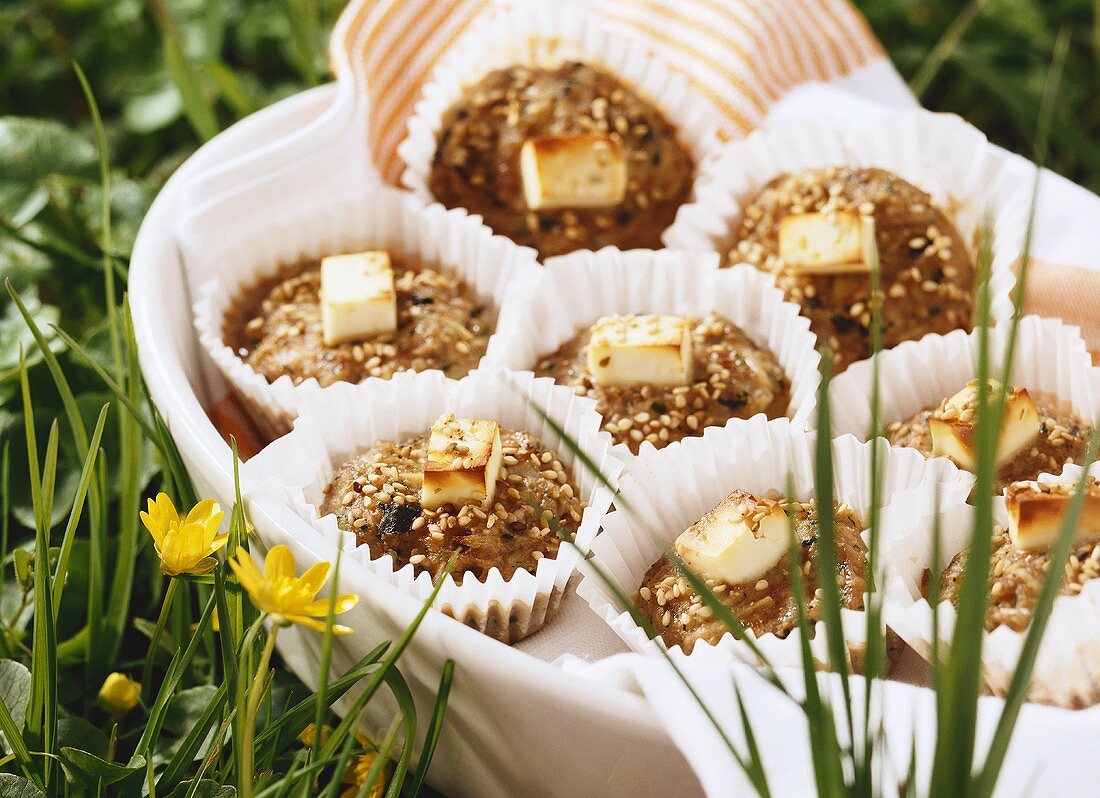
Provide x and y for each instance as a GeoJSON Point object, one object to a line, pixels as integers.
{"type": "Point", "coordinates": [218, 543]}
{"type": "Point", "coordinates": [161, 517]}
{"type": "Point", "coordinates": [315, 577]}
{"type": "Point", "coordinates": [205, 513]}
{"type": "Point", "coordinates": [279, 562]}
{"type": "Point", "coordinates": [319, 608]}
{"type": "Point", "coordinates": [247, 573]}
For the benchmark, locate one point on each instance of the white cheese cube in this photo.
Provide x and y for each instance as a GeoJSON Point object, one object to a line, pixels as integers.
{"type": "Point", "coordinates": [832, 242]}
{"type": "Point", "coordinates": [953, 424]}
{"type": "Point", "coordinates": [738, 541]}
{"type": "Point", "coordinates": [1037, 510]}
{"type": "Point", "coordinates": [577, 171]}
{"type": "Point", "coordinates": [357, 297]}
{"type": "Point", "coordinates": [641, 350]}
{"type": "Point", "coordinates": [463, 463]}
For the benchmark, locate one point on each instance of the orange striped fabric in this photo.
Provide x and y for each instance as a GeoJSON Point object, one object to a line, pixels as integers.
{"type": "Point", "coordinates": [742, 55]}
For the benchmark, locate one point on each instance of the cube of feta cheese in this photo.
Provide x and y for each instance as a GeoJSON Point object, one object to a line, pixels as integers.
{"type": "Point", "coordinates": [1037, 510]}
{"type": "Point", "coordinates": [831, 242]}
{"type": "Point", "coordinates": [738, 541]}
{"type": "Point", "coordinates": [357, 297]}
{"type": "Point", "coordinates": [952, 425]}
{"type": "Point", "coordinates": [641, 350]}
{"type": "Point", "coordinates": [576, 171]}
{"type": "Point", "coordinates": [463, 462]}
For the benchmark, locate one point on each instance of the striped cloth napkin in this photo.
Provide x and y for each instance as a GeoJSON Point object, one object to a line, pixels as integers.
{"type": "Point", "coordinates": [742, 55]}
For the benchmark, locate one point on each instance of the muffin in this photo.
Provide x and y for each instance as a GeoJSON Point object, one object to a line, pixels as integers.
{"type": "Point", "coordinates": [740, 549]}
{"type": "Point", "coordinates": [820, 231]}
{"type": "Point", "coordinates": [1021, 553]}
{"type": "Point", "coordinates": [728, 376]}
{"type": "Point", "coordinates": [561, 158]}
{"type": "Point", "coordinates": [1037, 436]}
{"type": "Point", "coordinates": [468, 488]}
{"type": "Point", "coordinates": [422, 319]}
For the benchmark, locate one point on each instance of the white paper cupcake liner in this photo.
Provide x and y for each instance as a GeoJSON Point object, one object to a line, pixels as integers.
{"type": "Point", "coordinates": [670, 490]}
{"type": "Point", "coordinates": [337, 425]}
{"type": "Point", "coordinates": [575, 290]}
{"type": "Point", "coordinates": [1051, 361]}
{"type": "Point", "coordinates": [939, 153]}
{"type": "Point", "coordinates": [546, 35]}
{"type": "Point", "coordinates": [1067, 670]}
{"type": "Point", "coordinates": [497, 270]}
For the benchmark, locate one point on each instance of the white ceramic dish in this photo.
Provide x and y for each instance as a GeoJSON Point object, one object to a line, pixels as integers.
{"type": "Point", "coordinates": [516, 724]}
{"type": "Point", "coordinates": [514, 719]}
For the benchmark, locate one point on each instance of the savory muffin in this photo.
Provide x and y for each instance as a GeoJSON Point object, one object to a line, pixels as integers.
{"type": "Point", "coordinates": [1021, 554]}
{"type": "Point", "coordinates": [740, 549]}
{"type": "Point", "coordinates": [1037, 435]}
{"type": "Point", "coordinates": [821, 230]}
{"type": "Point", "coordinates": [730, 377]}
{"type": "Point", "coordinates": [290, 324]}
{"type": "Point", "coordinates": [467, 487]}
{"type": "Point", "coordinates": [560, 159]}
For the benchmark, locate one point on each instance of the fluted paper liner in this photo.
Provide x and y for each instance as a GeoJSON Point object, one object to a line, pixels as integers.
{"type": "Point", "coordinates": [671, 489]}
{"type": "Point", "coordinates": [348, 419]}
{"type": "Point", "coordinates": [575, 290]}
{"type": "Point", "coordinates": [1051, 362]}
{"type": "Point", "coordinates": [453, 241]}
{"type": "Point", "coordinates": [546, 35]}
{"type": "Point", "coordinates": [954, 162]}
{"type": "Point", "coordinates": [1067, 670]}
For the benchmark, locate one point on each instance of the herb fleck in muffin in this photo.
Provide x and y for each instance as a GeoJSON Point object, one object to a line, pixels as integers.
{"type": "Point", "coordinates": [730, 378]}
{"type": "Point", "coordinates": [823, 264]}
{"type": "Point", "coordinates": [429, 497]}
{"type": "Point", "coordinates": [277, 328]}
{"type": "Point", "coordinates": [628, 173]}
{"type": "Point", "coordinates": [740, 549]}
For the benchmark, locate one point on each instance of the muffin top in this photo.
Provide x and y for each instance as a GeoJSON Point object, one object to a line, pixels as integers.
{"type": "Point", "coordinates": [276, 327]}
{"type": "Point", "coordinates": [1038, 435]}
{"type": "Point", "coordinates": [379, 496]}
{"type": "Point", "coordinates": [477, 164]}
{"type": "Point", "coordinates": [927, 276]}
{"type": "Point", "coordinates": [765, 602]}
{"type": "Point", "coordinates": [731, 378]}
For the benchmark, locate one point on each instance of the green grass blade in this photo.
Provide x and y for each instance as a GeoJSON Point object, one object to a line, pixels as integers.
{"type": "Point", "coordinates": [945, 47]}
{"type": "Point", "coordinates": [195, 107]}
{"type": "Point", "coordinates": [87, 471]}
{"type": "Point", "coordinates": [435, 728]}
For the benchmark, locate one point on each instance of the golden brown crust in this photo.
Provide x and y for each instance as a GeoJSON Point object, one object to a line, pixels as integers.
{"type": "Point", "coordinates": [1062, 439]}
{"type": "Point", "coordinates": [1016, 579]}
{"type": "Point", "coordinates": [276, 327]}
{"type": "Point", "coordinates": [376, 495]}
{"type": "Point", "coordinates": [927, 275]}
{"type": "Point", "coordinates": [767, 605]}
{"type": "Point", "coordinates": [734, 378]}
{"type": "Point", "coordinates": [477, 160]}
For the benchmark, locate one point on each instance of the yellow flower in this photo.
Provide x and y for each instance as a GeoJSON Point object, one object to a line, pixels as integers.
{"type": "Point", "coordinates": [310, 731]}
{"type": "Point", "coordinates": [356, 776]}
{"type": "Point", "coordinates": [288, 597]}
{"type": "Point", "coordinates": [185, 544]}
{"type": "Point", "coordinates": [119, 694]}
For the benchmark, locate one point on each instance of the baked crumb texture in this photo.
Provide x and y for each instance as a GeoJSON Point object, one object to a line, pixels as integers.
{"type": "Point", "coordinates": [1062, 439]}
{"type": "Point", "coordinates": [1016, 578]}
{"type": "Point", "coordinates": [376, 496]}
{"type": "Point", "coordinates": [927, 275]}
{"type": "Point", "coordinates": [441, 324]}
{"type": "Point", "coordinates": [766, 605]}
{"type": "Point", "coordinates": [733, 378]}
{"type": "Point", "coordinates": [477, 160]}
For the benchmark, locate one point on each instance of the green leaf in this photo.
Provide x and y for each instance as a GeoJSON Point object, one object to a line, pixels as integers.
{"type": "Point", "coordinates": [75, 732]}
{"type": "Point", "coordinates": [33, 149]}
{"type": "Point", "coordinates": [205, 788]}
{"type": "Point", "coordinates": [12, 786]}
{"type": "Point", "coordinates": [14, 334]}
{"type": "Point", "coordinates": [15, 683]}
{"type": "Point", "coordinates": [93, 771]}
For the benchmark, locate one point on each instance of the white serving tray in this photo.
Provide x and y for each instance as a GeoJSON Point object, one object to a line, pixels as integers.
{"type": "Point", "coordinates": [517, 724]}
